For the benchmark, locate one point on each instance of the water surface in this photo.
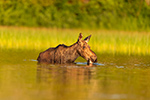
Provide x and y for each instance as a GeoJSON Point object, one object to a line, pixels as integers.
{"type": "Point", "coordinates": [112, 78]}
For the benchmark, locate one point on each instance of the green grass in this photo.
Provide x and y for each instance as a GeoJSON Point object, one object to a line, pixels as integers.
{"type": "Point", "coordinates": [102, 41]}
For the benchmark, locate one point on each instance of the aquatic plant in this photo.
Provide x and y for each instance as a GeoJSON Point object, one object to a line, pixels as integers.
{"type": "Point", "coordinates": [102, 41]}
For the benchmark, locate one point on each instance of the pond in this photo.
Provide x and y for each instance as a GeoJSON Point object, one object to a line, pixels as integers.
{"type": "Point", "coordinates": [112, 78]}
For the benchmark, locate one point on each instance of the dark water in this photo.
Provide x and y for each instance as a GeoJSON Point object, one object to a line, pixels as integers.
{"type": "Point", "coordinates": [112, 78]}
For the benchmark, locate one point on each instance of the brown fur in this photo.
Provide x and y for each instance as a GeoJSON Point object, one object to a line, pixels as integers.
{"type": "Point", "coordinates": [68, 54]}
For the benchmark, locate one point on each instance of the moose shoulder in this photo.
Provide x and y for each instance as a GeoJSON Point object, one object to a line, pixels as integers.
{"type": "Point", "coordinates": [68, 54]}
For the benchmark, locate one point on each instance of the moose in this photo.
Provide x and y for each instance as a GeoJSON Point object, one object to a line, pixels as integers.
{"type": "Point", "coordinates": [63, 54]}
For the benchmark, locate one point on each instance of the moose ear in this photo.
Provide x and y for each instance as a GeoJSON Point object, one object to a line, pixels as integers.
{"type": "Point", "coordinates": [87, 39]}
{"type": "Point", "coordinates": [80, 37]}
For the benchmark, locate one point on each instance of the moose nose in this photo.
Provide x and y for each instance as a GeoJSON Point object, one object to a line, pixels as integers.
{"type": "Point", "coordinates": [94, 59]}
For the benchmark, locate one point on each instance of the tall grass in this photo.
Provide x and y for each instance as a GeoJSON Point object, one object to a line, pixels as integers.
{"type": "Point", "coordinates": [102, 41]}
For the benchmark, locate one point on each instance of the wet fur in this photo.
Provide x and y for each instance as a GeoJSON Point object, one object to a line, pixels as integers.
{"type": "Point", "coordinates": [68, 54]}
{"type": "Point", "coordinates": [60, 54]}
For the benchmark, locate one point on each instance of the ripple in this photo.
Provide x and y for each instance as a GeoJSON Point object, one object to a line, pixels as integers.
{"type": "Point", "coordinates": [120, 66]}
{"type": "Point", "coordinates": [85, 63]}
{"type": "Point", "coordinates": [29, 60]}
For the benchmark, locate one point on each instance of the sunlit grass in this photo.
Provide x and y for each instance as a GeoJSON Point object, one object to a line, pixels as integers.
{"type": "Point", "coordinates": [102, 41]}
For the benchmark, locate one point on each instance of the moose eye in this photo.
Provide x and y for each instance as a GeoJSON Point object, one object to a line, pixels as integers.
{"type": "Point", "coordinates": [84, 47]}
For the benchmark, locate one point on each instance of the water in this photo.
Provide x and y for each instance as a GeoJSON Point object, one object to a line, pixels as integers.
{"type": "Point", "coordinates": [112, 78]}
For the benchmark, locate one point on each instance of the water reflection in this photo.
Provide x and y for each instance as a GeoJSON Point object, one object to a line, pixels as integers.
{"type": "Point", "coordinates": [94, 83]}
{"type": "Point", "coordinates": [64, 73]}
{"type": "Point", "coordinates": [66, 81]}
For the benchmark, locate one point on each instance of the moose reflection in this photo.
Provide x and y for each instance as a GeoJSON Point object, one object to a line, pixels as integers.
{"type": "Point", "coordinates": [62, 74]}
{"type": "Point", "coordinates": [63, 54]}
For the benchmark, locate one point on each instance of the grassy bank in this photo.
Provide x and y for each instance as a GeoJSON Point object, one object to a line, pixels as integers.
{"type": "Point", "coordinates": [102, 41]}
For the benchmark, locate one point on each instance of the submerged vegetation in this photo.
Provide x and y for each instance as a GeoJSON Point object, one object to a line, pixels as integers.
{"type": "Point", "coordinates": [102, 41]}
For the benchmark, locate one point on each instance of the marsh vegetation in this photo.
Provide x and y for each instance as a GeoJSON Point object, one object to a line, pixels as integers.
{"type": "Point", "coordinates": [102, 41]}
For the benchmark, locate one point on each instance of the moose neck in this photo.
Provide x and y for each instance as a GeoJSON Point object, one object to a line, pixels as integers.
{"type": "Point", "coordinates": [72, 52]}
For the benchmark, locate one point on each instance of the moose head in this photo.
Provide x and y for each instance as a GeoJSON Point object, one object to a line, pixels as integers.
{"type": "Point", "coordinates": [84, 49]}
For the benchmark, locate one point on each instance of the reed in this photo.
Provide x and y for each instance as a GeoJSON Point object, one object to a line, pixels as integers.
{"type": "Point", "coordinates": [102, 41]}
